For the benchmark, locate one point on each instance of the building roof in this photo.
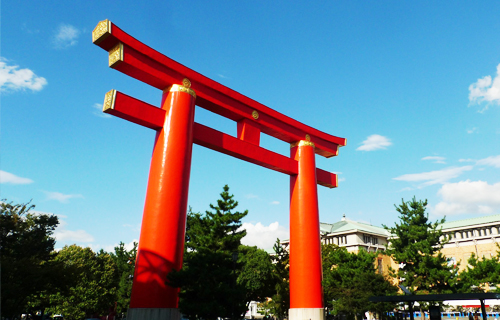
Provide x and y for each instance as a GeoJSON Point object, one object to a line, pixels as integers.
{"type": "Point", "coordinates": [471, 222]}
{"type": "Point", "coordinates": [348, 225]}
{"type": "Point", "coordinates": [345, 225]}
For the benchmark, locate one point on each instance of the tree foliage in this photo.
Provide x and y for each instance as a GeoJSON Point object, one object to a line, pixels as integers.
{"type": "Point", "coordinates": [93, 288]}
{"type": "Point", "coordinates": [257, 274]}
{"type": "Point", "coordinates": [26, 249]}
{"type": "Point", "coordinates": [125, 264]}
{"type": "Point", "coordinates": [415, 246]}
{"type": "Point", "coordinates": [280, 300]}
{"type": "Point", "coordinates": [208, 279]}
{"type": "Point", "coordinates": [349, 279]}
{"type": "Point", "coordinates": [480, 274]}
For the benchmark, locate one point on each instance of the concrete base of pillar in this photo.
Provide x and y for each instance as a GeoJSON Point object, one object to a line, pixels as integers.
{"type": "Point", "coordinates": [306, 314]}
{"type": "Point", "coordinates": [153, 314]}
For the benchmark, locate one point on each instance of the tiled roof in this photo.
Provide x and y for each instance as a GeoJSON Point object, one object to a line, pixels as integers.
{"type": "Point", "coordinates": [347, 225]}
{"type": "Point", "coordinates": [471, 222]}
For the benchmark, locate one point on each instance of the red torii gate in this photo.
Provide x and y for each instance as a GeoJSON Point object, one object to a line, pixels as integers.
{"type": "Point", "coordinates": [161, 241]}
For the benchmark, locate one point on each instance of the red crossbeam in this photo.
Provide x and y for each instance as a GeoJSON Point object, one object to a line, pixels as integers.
{"type": "Point", "coordinates": [137, 111]}
{"type": "Point", "coordinates": [132, 57]}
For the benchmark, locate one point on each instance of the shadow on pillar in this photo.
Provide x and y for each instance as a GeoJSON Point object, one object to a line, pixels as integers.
{"type": "Point", "coordinates": [150, 288]}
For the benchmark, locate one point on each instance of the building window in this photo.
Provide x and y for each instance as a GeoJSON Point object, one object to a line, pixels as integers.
{"type": "Point", "coordinates": [369, 239]}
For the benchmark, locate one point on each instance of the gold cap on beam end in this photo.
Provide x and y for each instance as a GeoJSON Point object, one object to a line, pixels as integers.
{"type": "Point", "coordinates": [116, 55]}
{"type": "Point", "coordinates": [101, 31]}
{"type": "Point", "coordinates": [109, 101]}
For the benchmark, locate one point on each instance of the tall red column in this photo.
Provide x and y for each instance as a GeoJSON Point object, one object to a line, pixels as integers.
{"type": "Point", "coordinates": [161, 243]}
{"type": "Point", "coordinates": [306, 293]}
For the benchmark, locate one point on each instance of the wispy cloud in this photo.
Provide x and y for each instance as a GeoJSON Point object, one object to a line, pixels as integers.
{"type": "Point", "coordinates": [13, 78]}
{"type": "Point", "coordinates": [469, 131]}
{"type": "Point", "coordinates": [97, 111]}
{"type": "Point", "coordinates": [7, 177]}
{"type": "Point", "coordinates": [63, 198]}
{"type": "Point", "coordinates": [493, 161]}
{"type": "Point", "coordinates": [66, 36]}
{"type": "Point", "coordinates": [263, 236]}
{"type": "Point", "coordinates": [275, 202]}
{"type": "Point", "coordinates": [485, 90]}
{"type": "Point", "coordinates": [434, 177]}
{"type": "Point", "coordinates": [468, 197]}
{"type": "Point", "coordinates": [375, 142]}
{"type": "Point", "coordinates": [435, 159]}
{"type": "Point", "coordinates": [251, 196]}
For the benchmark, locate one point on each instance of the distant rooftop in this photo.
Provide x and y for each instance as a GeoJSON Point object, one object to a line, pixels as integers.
{"type": "Point", "coordinates": [348, 225]}
{"type": "Point", "coordinates": [471, 222]}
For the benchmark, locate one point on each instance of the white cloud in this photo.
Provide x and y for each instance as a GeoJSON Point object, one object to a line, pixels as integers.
{"type": "Point", "coordinates": [486, 90]}
{"type": "Point", "coordinates": [63, 235]}
{"type": "Point", "coordinates": [466, 160]}
{"type": "Point", "coordinates": [251, 196]}
{"type": "Point", "coordinates": [493, 161]}
{"type": "Point", "coordinates": [471, 130]}
{"type": "Point", "coordinates": [468, 197]}
{"type": "Point", "coordinates": [436, 159]}
{"type": "Point", "coordinates": [98, 111]}
{"type": "Point", "coordinates": [275, 202]}
{"type": "Point", "coordinates": [70, 235]}
{"type": "Point", "coordinates": [13, 78]}
{"type": "Point", "coordinates": [375, 142]}
{"type": "Point", "coordinates": [262, 236]}
{"type": "Point", "coordinates": [6, 177]}
{"type": "Point", "coordinates": [66, 36]}
{"type": "Point", "coordinates": [435, 177]}
{"type": "Point", "coordinates": [63, 198]}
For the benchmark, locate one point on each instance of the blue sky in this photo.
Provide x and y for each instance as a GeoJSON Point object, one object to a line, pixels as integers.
{"type": "Point", "coordinates": [413, 86]}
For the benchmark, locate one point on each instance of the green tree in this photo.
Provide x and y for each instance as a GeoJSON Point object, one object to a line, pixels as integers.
{"type": "Point", "coordinates": [349, 279]}
{"type": "Point", "coordinates": [256, 274]}
{"type": "Point", "coordinates": [125, 264]}
{"type": "Point", "coordinates": [415, 245]}
{"type": "Point", "coordinates": [26, 249]}
{"type": "Point", "coordinates": [479, 273]}
{"type": "Point", "coordinates": [279, 304]}
{"type": "Point", "coordinates": [93, 290]}
{"type": "Point", "coordinates": [208, 279]}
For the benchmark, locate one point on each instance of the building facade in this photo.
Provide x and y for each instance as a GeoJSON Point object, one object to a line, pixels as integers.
{"type": "Point", "coordinates": [479, 236]}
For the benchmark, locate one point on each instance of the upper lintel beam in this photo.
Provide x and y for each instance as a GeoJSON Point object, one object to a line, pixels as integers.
{"type": "Point", "coordinates": [148, 65]}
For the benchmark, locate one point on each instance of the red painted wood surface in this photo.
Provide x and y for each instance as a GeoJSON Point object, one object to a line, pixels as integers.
{"type": "Point", "coordinates": [161, 244]}
{"type": "Point", "coordinates": [145, 114]}
{"type": "Point", "coordinates": [148, 65]}
{"type": "Point", "coordinates": [305, 248]}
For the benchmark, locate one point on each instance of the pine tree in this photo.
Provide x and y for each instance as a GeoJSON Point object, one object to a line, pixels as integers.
{"type": "Point", "coordinates": [208, 279]}
{"type": "Point", "coordinates": [415, 245]}
{"type": "Point", "coordinates": [480, 273]}
{"type": "Point", "coordinates": [349, 279]}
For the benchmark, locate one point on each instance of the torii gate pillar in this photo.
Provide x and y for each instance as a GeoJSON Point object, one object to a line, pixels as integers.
{"type": "Point", "coordinates": [306, 293]}
{"type": "Point", "coordinates": [161, 244]}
